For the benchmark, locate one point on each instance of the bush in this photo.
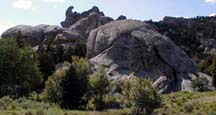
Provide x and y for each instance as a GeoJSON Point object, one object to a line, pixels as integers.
{"type": "Point", "coordinates": [203, 65]}
{"type": "Point", "coordinates": [5, 102]}
{"type": "Point", "coordinates": [98, 87]}
{"type": "Point", "coordinates": [68, 85]}
{"type": "Point", "coordinates": [212, 70]}
{"type": "Point", "coordinates": [53, 89]}
{"type": "Point", "coordinates": [200, 84]}
{"type": "Point", "coordinates": [19, 72]}
{"type": "Point", "coordinates": [189, 107]}
{"type": "Point", "coordinates": [141, 95]}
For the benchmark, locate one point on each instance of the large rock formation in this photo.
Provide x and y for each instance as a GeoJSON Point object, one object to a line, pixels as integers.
{"type": "Point", "coordinates": [122, 46]}
{"type": "Point", "coordinates": [127, 46]}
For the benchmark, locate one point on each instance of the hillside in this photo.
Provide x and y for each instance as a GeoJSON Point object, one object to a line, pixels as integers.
{"type": "Point", "coordinates": [196, 36]}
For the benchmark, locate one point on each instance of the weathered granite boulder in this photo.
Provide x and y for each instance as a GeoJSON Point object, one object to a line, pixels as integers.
{"type": "Point", "coordinates": [127, 46]}
{"type": "Point", "coordinates": [32, 35]}
{"type": "Point", "coordinates": [50, 32]}
{"type": "Point", "coordinates": [85, 25]}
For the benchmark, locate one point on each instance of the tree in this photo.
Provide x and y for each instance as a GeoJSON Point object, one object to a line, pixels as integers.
{"type": "Point", "coordinates": [141, 95]}
{"type": "Point", "coordinates": [98, 86]}
{"type": "Point", "coordinates": [68, 85]}
{"type": "Point", "coordinates": [203, 65]}
{"type": "Point", "coordinates": [212, 70]}
{"type": "Point", "coordinates": [19, 72]}
{"type": "Point", "coordinates": [47, 64]}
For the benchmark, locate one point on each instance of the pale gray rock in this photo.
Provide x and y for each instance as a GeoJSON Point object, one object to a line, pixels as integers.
{"type": "Point", "coordinates": [127, 46]}
{"type": "Point", "coordinates": [162, 84]}
{"type": "Point", "coordinates": [82, 28]}
{"type": "Point", "coordinates": [85, 25]}
{"type": "Point", "coordinates": [50, 32]}
{"type": "Point", "coordinates": [205, 79]}
{"type": "Point", "coordinates": [32, 35]}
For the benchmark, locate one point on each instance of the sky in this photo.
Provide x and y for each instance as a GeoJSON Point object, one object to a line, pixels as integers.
{"type": "Point", "coordinates": [34, 12]}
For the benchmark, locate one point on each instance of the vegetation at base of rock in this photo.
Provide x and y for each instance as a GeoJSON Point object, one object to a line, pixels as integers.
{"type": "Point", "coordinates": [19, 72]}
{"type": "Point", "coordinates": [181, 103]}
{"type": "Point", "coordinates": [141, 95]}
{"type": "Point", "coordinates": [188, 103]}
{"type": "Point", "coordinates": [68, 84]}
{"type": "Point", "coordinates": [212, 70]}
{"type": "Point", "coordinates": [200, 84]}
{"type": "Point", "coordinates": [98, 87]}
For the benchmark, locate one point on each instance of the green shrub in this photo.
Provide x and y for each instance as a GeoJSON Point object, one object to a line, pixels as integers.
{"type": "Point", "coordinates": [141, 95]}
{"type": "Point", "coordinates": [189, 107]}
{"type": "Point", "coordinates": [200, 84]}
{"type": "Point", "coordinates": [53, 90]}
{"type": "Point", "coordinates": [5, 102]}
{"type": "Point", "coordinates": [19, 72]}
{"type": "Point", "coordinates": [68, 85]}
{"type": "Point", "coordinates": [203, 65]}
{"type": "Point", "coordinates": [212, 70]}
{"type": "Point", "coordinates": [98, 87]}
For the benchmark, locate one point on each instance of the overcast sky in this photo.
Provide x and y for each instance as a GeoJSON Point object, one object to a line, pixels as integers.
{"type": "Point", "coordinates": [34, 12]}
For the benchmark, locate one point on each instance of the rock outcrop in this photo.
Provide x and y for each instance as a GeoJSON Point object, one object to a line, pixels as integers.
{"type": "Point", "coordinates": [127, 46]}
{"type": "Point", "coordinates": [79, 25]}
{"type": "Point", "coordinates": [196, 36]}
{"type": "Point", "coordinates": [82, 27]}
{"type": "Point", "coordinates": [73, 17]}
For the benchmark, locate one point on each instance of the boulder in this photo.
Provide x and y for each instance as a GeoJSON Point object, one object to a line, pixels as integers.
{"type": "Point", "coordinates": [85, 25]}
{"type": "Point", "coordinates": [31, 34]}
{"type": "Point", "coordinates": [129, 46]}
{"type": "Point", "coordinates": [121, 17]}
{"type": "Point", "coordinates": [34, 35]}
{"type": "Point", "coordinates": [50, 32]}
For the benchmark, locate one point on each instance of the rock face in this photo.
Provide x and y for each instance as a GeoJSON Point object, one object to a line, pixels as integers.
{"type": "Point", "coordinates": [127, 46]}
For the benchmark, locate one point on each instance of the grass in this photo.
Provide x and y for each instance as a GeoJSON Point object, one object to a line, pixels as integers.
{"type": "Point", "coordinates": [180, 103]}
{"type": "Point", "coordinates": [53, 111]}
{"type": "Point", "coordinates": [187, 103]}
